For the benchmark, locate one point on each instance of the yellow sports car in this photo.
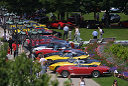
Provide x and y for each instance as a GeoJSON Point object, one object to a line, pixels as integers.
{"type": "Point", "coordinates": [53, 67]}
{"type": "Point", "coordinates": [67, 55]}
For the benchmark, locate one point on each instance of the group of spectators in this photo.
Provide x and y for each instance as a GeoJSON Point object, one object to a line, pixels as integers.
{"type": "Point", "coordinates": [68, 33]}
{"type": "Point", "coordinates": [95, 33]}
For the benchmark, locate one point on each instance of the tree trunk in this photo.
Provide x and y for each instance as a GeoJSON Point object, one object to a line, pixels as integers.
{"type": "Point", "coordinates": [107, 19]}
{"type": "Point", "coordinates": [58, 16]}
{"type": "Point", "coordinates": [94, 15]}
{"type": "Point", "coordinates": [62, 15]}
{"type": "Point", "coordinates": [67, 15]}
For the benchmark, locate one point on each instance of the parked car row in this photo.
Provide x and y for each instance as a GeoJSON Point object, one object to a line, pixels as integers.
{"type": "Point", "coordinates": [64, 59]}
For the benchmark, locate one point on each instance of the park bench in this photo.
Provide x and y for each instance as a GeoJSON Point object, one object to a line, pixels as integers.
{"type": "Point", "coordinates": [106, 40]}
{"type": "Point", "coordinates": [93, 41]}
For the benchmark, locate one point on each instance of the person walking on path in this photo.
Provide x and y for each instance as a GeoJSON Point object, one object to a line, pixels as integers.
{"type": "Point", "coordinates": [10, 42]}
{"type": "Point", "coordinates": [100, 33]}
{"type": "Point", "coordinates": [77, 35]}
{"type": "Point", "coordinates": [14, 49]}
{"type": "Point", "coordinates": [43, 64]}
{"type": "Point", "coordinates": [95, 34]}
{"type": "Point", "coordinates": [66, 29]}
{"type": "Point", "coordinates": [68, 81]}
{"type": "Point", "coordinates": [82, 82]}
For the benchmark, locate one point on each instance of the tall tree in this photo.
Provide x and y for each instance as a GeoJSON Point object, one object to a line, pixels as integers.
{"type": "Point", "coordinates": [61, 6]}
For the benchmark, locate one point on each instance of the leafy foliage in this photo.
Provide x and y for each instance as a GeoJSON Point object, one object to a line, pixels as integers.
{"type": "Point", "coordinates": [3, 65]}
{"type": "Point", "coordinates": [119, 50]}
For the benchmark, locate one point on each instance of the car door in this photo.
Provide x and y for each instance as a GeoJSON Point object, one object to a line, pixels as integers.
{"type": "Point", "coordinates": [81, 70]}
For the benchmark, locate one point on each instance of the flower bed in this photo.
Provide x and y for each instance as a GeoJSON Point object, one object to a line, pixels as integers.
{"type": "Point", "coordinates": [97, 51]}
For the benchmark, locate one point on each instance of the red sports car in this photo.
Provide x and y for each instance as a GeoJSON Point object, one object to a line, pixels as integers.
{"type": "Point", "coordinates": [45, 51]}
{"type": "Point", "coordinates": [93, 70]}
{"type": "Point", "coordinates": [44, 39]}
{"type": "Point", "coordinates": [57, 23]}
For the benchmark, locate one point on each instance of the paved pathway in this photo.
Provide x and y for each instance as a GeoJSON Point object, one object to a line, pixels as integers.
{"type": "Point", "coordinates": [75, 80]}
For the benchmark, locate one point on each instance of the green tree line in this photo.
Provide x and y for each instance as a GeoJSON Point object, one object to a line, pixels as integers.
{"type": "Point", "coordinates": [64, 6]}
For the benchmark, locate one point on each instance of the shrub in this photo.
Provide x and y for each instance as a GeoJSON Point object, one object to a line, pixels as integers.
{"type": "Point", "coordinates": [119, 51]}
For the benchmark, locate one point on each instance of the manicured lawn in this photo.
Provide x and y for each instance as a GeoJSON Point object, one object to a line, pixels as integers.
{"type": "Point", "coordinates": [86, 34]}
{"type": "Point", "coordinates": [107, 81]}
{"type": "Point", "coordinates": [90, 16]}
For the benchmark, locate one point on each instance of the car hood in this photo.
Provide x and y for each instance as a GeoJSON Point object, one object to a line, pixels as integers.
{"type": "Point", "coordinates": [39, 48]}
{"type": "Point", "coordinates": [54, 56]}
{"type": "Point", "coordinates": [62, 64]}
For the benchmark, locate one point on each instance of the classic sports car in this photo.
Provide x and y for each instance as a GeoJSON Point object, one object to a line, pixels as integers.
{"type": "Point", "coordinates": [44, 39]}
{"type": "Point", "coordinates": [54, 67]}
{"type": "Point", "coordinates": [45, 51]}
{"type": "Point", "coordinates": [58, 23]}
{"type": "Point", "coordinates": [66, 50]}
{"type": "Point", "coordinates": [72, 60]}
{"type": "Point", "coordinates": [55, 46]}
{"type": "Point", "coordinates": [66, 55]}
{"type": "Point", "coordinates": [93, 70]}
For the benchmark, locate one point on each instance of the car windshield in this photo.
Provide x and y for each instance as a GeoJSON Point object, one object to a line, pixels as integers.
{"type": "Point", "coordinates": [79, 62]}
{"type": "Point", "coordinates": [67, 55]}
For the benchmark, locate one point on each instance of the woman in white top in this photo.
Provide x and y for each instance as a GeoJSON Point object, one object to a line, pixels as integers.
{"type": "Point", "coordinates": [82, 82]}
{"type": "Point", "coordinates": [77, 35]}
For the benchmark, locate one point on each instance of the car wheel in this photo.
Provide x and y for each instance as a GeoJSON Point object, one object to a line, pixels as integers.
{"type": "Point", "coordinates": [50, 61]}
{"type": "Point", "coordinates": [56, 68]}
{"type": "Point", "coordinates": [95, 74]}
{"type": "Point", "coordinates": [65, 74]}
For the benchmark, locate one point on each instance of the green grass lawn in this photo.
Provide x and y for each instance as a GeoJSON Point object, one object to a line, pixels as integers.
{"type": "Point", "coordinates": [90, 16]}
{"type": "Point", "coordinates": [86, 34]}
{"type": "Point", "coordinates": [107, 81]}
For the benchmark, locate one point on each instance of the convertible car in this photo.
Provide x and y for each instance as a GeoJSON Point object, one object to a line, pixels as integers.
{"type": "Point", "coordinates": [58, 23]}
{"type": "Point", "coordinates": [66, 55]}
{"type": "Point", "coordinates": [54, 67]}
{"type": "Point", "coordinates": [93, 70]}
{"type": "Point", "coordinates": [55, 46]}
{"type": "Point", "coordinates": [66, 50]}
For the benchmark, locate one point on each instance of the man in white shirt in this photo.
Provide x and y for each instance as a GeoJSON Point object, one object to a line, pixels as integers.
{"type": "Point", "coordinates": [66, 29]}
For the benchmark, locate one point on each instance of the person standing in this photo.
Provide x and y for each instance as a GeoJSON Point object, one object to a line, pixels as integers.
{"type": "Point", "coordinates": [95, 34]}
{"type": "Point", "coordinates": [115, 83]}
{"type": "Point", "coordinates": [97, 17]}
{"type": "Point", "coordinates": [43, 64]}
{"type": "Point", "coordinates": [82, 82]}
{"type": "Point", "coordinates": [14, 49]}
{"type": "Point", "coordinates": [10, 42]}
{"type": "Point", "coordinates": [66, 29]}
{"type": "Point", "coordinates": [68, 81]}
{"type": "Point", "coordinates": [100, 33]}
{"type": "Point", "coordinates": [70, 33]}
{"type": "Point", "coordinates": [77, 35]}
